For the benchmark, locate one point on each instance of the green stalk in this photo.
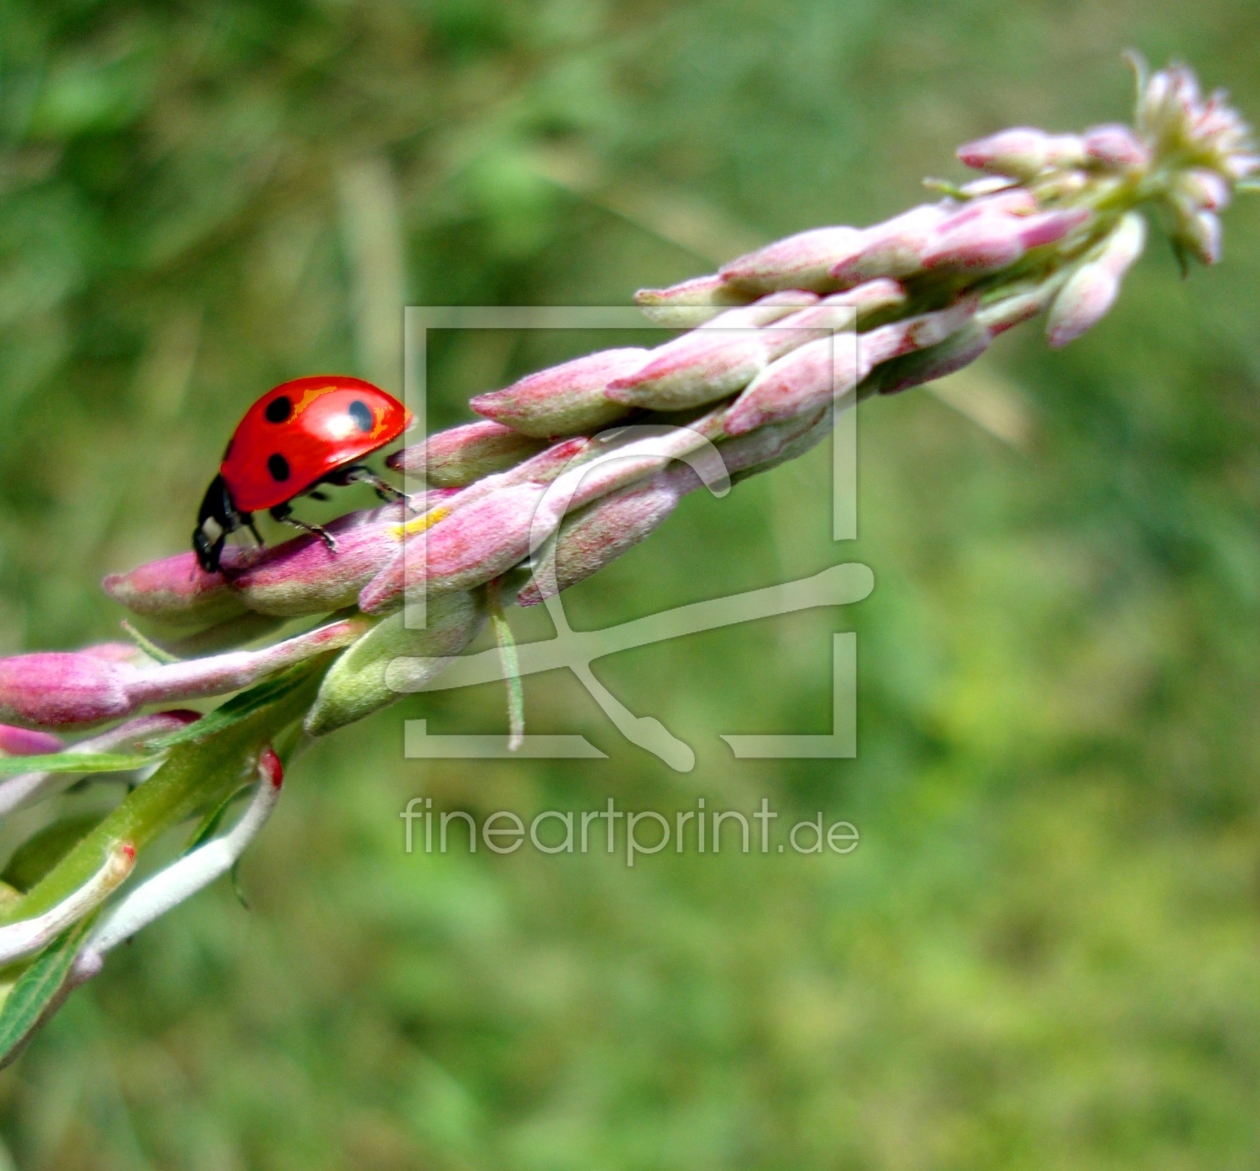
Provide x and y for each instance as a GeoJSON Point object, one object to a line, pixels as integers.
{"type": "Point", "coordinates": [195, 775]}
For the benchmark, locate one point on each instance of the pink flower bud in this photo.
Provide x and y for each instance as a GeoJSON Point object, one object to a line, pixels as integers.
{"type": "Point", "coordinates": [808, 377]}
{"type": "Point", "coordinates": [27, 742]}
{"type": "Point", "coordinates": [927, 365]}
{"type": "Point", "coordinates": [176, 589]}
{"type": "Point", "coordinates": [564, 400]}
{"type": "Point", "coordinates": [1081, 304]}
{"type": "Point", "coordinates": [1239, 166]}
{"type": "Point", "coordinates": [894, 248]}
{"type": "Point", "coordinates": [1116, 145]}
{"type": "Point", "coordinates": [1023, 152]}
{"type": "Point", "coordinates": [492, 526]}
{"type": "Point", "coordinates": [453, 458]}
{"type": "Point", "coordinates": [601, 532]}
{"type": "Point", "coordinates": [1201, 233]}
{"type": "Point", "coordinates": [995, 241]}
{"type": "Point", "coordinates": [1203, 190]}
{"type": "Point", "coordinates": [710, 362]}
{"type": "Point", "coordinates": [304, 576]}
{"type": "Point", "coordinates": [871, 297]}
{"type": "Point", "coordinates": [63, 689]}
{"type": "Point", "coordinates": [1091, 291]}
{"type": "Point", "coordinates": [914, 333]}
{"type": "Point", "coordinates": [79, 689]}
{"type": "Point", "coordinates": [466, 549]}
{"type": "Point", "coordinates": [689, 304]}
{"type": "Point", "coordinates": [803, 261]}
{"type": "Point", "coordinates": [767, 447]}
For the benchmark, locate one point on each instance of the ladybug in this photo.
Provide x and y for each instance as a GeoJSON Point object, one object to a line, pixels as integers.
{"type": "Point", "coordinates": [299, 435]}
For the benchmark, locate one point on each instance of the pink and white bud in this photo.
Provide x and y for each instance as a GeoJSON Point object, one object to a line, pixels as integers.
{"type": "Point", "coordinates": [460, 455]}
{"type": "Point", "coordinates": [1239, 166]}
{"type": "Point", "coordinates": [598, 534]}
{"type": "Point", "coordinates": [867, 299]}
{"type": "Point", "coordinates": [78, 689]}
{"type": "Point", "coordinates": [1202, 190]}
{"type": "Point", "coordinates": [768, 447]}
{"type": "Point", "coordinates": [1083, 302]}
{"type": "Point", "coordinates": [482, 538]}
{"type": "Point", "coordinates": [567, 399]}
{"type": "Point", "coordinates": [60, 689]}
{"type": "Point", "coordinates": [1023, 152]}
{"type": "Point", "coordinates": [893, 249]}
{"type": "Point", "coordinates": [1201, 233]}
{"type": "Point", "coordinates": [824, 370]}
{"type": "Point", "coordinates": [178, 590]}
{"type": "Point", "coordinates": [27, 742]}
{"type": "Point", "coordinates": [689, 304]}
{"type": "Point", "coordinates": [303, 576]}
{"type": "Point", "coordinates": [711, 362]}
{"type": "Point", "coordinates": [914, 333]}
{"type": "Point", "coordinates": [994, 241]}
{"type": "Point", "coordinates": [464, 550]}
{"type": "Point", "coordinates": [803, 261]}
{"type": "Point", "coordinates": [1116, 145]}
{"type": "Point", "coordinates": [947, 357]}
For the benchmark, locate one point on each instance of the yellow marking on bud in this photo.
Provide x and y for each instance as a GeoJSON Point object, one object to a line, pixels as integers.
{"type": "Point", "coordinates": [420, 523]}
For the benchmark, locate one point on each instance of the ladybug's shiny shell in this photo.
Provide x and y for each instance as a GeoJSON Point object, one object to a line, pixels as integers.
{"type": "Point", "coordinates": [300, 431]}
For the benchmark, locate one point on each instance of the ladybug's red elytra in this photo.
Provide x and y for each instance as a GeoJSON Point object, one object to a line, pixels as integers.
{"type": "Point", "coordinates": [299, 435]}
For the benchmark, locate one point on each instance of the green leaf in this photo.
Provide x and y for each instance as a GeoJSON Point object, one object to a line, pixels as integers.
{"type": "Point", "coordinates": [75, 762]}
{"type": "Point", "coordinates": [150, 648]}
{"type": "Point", "coordinates": [235, 875]}
{"type": "Point", "coordinates": [38, 992]}
{"type": "Point", "coordinates": [238, 708]}
{"type": "Point", "coordinates": [210, 823]}
{"type": "Point", "coordinates": [511, 667]}
{"type": "Point", "coordinates": [42, 851]}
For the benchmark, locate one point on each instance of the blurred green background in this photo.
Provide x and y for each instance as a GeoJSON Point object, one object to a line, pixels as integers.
{"type": "Point", "coordinates": [1046, 951]}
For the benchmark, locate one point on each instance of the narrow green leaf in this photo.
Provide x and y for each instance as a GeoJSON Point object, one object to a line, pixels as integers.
{"type": "Point", "coordinates": [75, 762]}
{"type": "Point", "coordinates": [150, 648]}
{"type": "Point", "coordinates": [238, 708]}
{"type": "Point", "coordinates": [235, 875]}
{"type": "Point", "coordinates": [511, 667]}
{"type": "Point", "coordinates": [210, 823]}
{"type": "Point", "coordinates": [38, 992]}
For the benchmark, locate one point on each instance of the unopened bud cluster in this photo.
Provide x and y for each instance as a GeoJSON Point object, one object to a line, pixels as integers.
{"type": "Point", "coordinates": [571, 466]}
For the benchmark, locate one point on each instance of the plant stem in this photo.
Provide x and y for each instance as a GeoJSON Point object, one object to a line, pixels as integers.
{"type": "Point", "coordinates": [195, 775]}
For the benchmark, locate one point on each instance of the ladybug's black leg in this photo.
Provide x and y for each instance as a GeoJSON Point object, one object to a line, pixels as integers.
{"type": "Point", "coordinates": [358, 474]}
{"type": "Point", "coordinates": [284, 514]}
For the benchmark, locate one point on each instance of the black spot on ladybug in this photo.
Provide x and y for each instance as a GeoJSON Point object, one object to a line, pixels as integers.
{"type": "Point", "coordinates": [361, 413]}
{"type": "Point", "coordinates": [278, 410]}
{"type": "Point", "coordinates": [278, 466]}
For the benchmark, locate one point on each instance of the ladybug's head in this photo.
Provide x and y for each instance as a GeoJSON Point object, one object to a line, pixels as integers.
{"type": "Point", "coordinates": [217, 518]}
